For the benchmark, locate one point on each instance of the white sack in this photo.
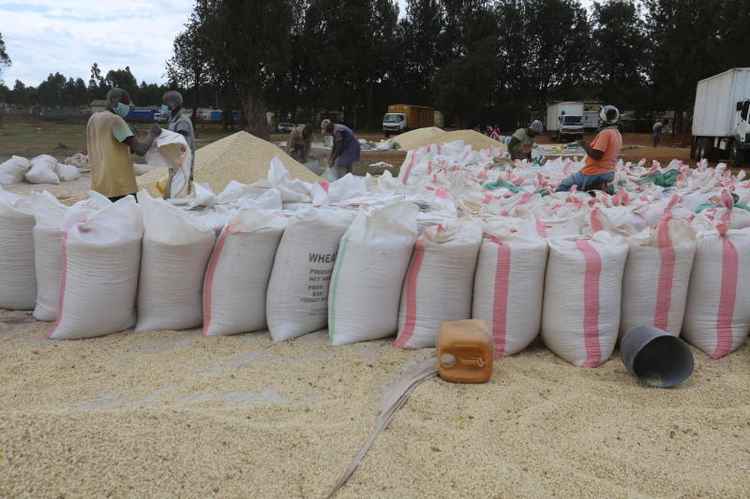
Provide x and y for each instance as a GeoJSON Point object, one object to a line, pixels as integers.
{"type": "Point", "coordinates": [718, 311]}
{"type": "Point", "coordinates": [170, 150]}
{"type": "Point", "coordinates": [51, 219]}
{"type": "Point", "coordinates": [100, 273]}
{"type": "Point", "coordinates": [509, 287]}
{"type": "Point", "coordinates": [176, 249]}
{"type": "Point", "coordinates": [657, 275]}
{"type": "Point", "coordinates": [366, 284]}
{"type": "Point", "coordinates": [17, 283]}
{"type": "Point", "coordinates": [581, 317]}
{"type": "Point", "coordinates": [297, 302]}
{"type": "Point", "coordinates": [14, 170]}
{"type": "Point", "coordinates": [67, 173]}
{"type": "Point", "coordinates": [43, 170]}
{"type": "Point", "coordinates": [234, 291]}
{"type": "Point", "coordinates": [439, 282]}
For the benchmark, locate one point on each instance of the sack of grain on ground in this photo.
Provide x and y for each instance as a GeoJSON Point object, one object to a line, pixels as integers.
{"type": "Point", "coordinates": [17, 283]}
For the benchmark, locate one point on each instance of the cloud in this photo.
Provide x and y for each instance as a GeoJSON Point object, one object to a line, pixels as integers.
{"type": "Point", "coordinates": [67, 36]}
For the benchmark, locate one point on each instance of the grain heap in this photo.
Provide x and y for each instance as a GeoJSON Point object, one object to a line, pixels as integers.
{"type": "Point", "coordinates": [241, 157]}
{"type": "Point", "coordinates": [425, 136]}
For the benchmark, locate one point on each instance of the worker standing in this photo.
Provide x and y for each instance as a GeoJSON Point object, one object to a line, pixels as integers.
{"type": "Point", "coordinates": [522, 140]}
{"type": "Point", "coordinates": [300, 142]}
{"type": "Point", "coordinates": [658, 129]}
{"type": "Point", "coordinates": [109, 142]}
{"type": "Point", "coordinates": [180, 182]}
{"type": "Point", "coordinates": [345, 151]}
{"type": "Point", "coordinates": [601, 156]}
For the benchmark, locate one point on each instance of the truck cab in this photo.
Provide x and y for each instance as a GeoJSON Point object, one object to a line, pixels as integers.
{"type": "Point", "coordinates": [741, 149]}
{"type": "Point", "coordinates": [571, 126]}
{"type": "Point", "coordinates": [394, 123]}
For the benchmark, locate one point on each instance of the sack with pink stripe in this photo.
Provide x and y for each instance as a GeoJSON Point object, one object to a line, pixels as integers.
{"type": "Point", "coordinates": [718, 311]}
{"type": "Point", "coordinates": [438, 284]}
{"type": "Point", "coordinates": [99, 283]}
{"type": "Point", "coordinates": [509, 286]}
{"type": "Point", "coordinates": [582, 293]}
{"type": "Point", "coordinates": [366, 284]}
{"type": "Point", "coordinates": [17, 284]}
{"type": "Point", "coordinates": [234, 290]}
{"type": "Point", "coordinates": [176, 249]}
{"type": "Point", "coordinates": [657, 275]}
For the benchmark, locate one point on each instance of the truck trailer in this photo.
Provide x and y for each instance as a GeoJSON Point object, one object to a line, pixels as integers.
{"type": "Point", "coordinates": [403, 117]}
{"type": "Point", "coordinates": [565, 120]}
{"type": "Point", "coordinates": [721, 126]}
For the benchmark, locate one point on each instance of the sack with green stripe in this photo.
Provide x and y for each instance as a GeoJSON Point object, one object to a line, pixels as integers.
{"type": "Point", "coordinates": [374, 254]}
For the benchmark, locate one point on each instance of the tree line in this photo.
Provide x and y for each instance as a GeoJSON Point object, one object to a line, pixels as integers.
{"type": "Point", "coordinates": [476, 60]}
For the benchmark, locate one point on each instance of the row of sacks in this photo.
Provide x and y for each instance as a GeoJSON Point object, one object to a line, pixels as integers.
{"type": "Point", "coordinates": [43, 169]}
{"type": "Point", "coordinates": [367, 276]}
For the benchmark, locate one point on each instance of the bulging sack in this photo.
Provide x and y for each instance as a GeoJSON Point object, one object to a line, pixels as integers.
{"type": "Point", "coordinates": [581, 317]}
{"type": "Point", "coordinates": [509, 286]}
{"type": "Point", "coordinates": [657, 275]}
{"type": "Point", "coordinates": [439, 282]}
{"type": "Point", "coordinates": [17, 283]}
{"type": "Point", "coordinates": [176, 249]}
{"type": "Point", "coordinates": [718, 310]}
{"type": "Point", "coordinates": [99, 284]}
{"type": "Point", "coordinates": [234, 292]}
{"type": "Point", "coordinates": [43, 170]}
{"type": "Point", "coordinates": [297, 302]}
{"type": "Point", "coordinates": [366, 284]}
{"type": "Point", "coordinates": [51, 219]}
{"type": "Point", "coordinates": [13, 170]}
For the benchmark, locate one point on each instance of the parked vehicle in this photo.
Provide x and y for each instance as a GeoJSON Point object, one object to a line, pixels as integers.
{"type": "Point", "coordinates": [721, 117]}
{"type": "Point", "coordinates": [141, 114]}
{"type": "Point", "coordinates": [285, 127]}
{"type": "Point", "coordinates": [403, 117]}
{"type": "Point", "coordinates": [565, 120]}
{"type": "Point", "coordinates": [590, 120]}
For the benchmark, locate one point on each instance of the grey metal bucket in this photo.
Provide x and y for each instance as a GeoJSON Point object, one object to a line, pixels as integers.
{"type": "Point", "coordinates": [655, 357]}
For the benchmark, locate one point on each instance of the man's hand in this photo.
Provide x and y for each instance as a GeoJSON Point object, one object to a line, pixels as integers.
{"type": "Point", "coordinates": [155, 130]}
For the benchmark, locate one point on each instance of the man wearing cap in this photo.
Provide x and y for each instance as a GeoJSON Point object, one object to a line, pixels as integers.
{"type": "Point", "coordinates": [601, 156]}
{"type": "Point", "coordinates": [109, 142]}
{"type": "Point", "coordinates": [346, 148]}
{"type": "Point", "coordinates": [300, 142]}
{"type": "Point", "coordinates": [523, 140]}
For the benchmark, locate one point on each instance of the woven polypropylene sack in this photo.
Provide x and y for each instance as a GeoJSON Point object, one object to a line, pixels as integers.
{"type": "Point", "coordinates": [509, 287]}
{"type": "Point", "coordinates": [366, 284]}
{"type": "Point", "coordinates": [13, 170]}
{"type": "Point", "coordinates": [582, 292]}
{"type": "Point", "coordinates": [718, 310]}
{"type": "Point", "coordinates": [99, 283]}
{"type": "Point", "coordinates": [439, 282]}
{"type": "Point", "coordinates": [17, 283]}
{"type": "Point", "coordinates": [43, 170]}
{"type": "Point", "coordinates": [52, 217]}
{"type": "Point", "coordinates": [176, 249]}
{"type": "Point", "coordinates": [657, 276]}
{"type": "Point", "coordinates": [234, 291]}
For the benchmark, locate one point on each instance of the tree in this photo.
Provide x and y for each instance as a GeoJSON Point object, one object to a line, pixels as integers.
{"type": "Point", "coordinates": [51, 91]}
{"type": "Point", "coordinates": [4, 58]}
{"type": "Point", "coordinates": [97, 87]}
{"type": "Point", "coordinates": [124, 79]}
{"type": "Point", "coordinates": [247, 45]}
{"type": "Point", "coordinates": [620, 54]}
{"type": "Point", "coordinates": [188, 67]}
{"type": "Point", "coordinates": [421, 30]}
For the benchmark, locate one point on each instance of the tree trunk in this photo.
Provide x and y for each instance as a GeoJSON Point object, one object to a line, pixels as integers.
{"type": "Point", "coordinates": [255, 113]}
{"type": "Point", "coordinates": [196, 94]}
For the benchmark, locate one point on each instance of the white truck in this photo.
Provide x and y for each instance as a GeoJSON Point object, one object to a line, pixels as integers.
{"type": "Point", "coordinates": [565, 120]}
{"type": "Point", "coordinates": [721, 117]}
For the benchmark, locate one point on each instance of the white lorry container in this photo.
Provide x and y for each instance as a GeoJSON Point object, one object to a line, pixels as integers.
{"type": "Point", "coordinates": [721, 117]}
{"type": "Point", "coordinates": [565, 120]}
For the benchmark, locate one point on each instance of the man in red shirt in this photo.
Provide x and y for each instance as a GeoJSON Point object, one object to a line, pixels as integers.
{"type": "Point", "coordinates": [601, 155]}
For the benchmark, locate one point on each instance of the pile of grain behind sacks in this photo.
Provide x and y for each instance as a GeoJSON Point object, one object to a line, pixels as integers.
{"type": "Point", "coordinates": [241, 157]}
{"type": "Point", "coordinates": [422, 137]}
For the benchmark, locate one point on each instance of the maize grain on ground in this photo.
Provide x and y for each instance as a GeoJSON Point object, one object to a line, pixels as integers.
{"type": "Point", "coordinates": [241, 157]}
{"type": "Point", "coordinates": [174, 414]}
{"type": "Point", "coordinates": [426, 136]}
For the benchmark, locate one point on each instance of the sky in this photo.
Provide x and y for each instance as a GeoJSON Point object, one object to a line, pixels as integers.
{"type": "Point", "coordinates": [47, 36]}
